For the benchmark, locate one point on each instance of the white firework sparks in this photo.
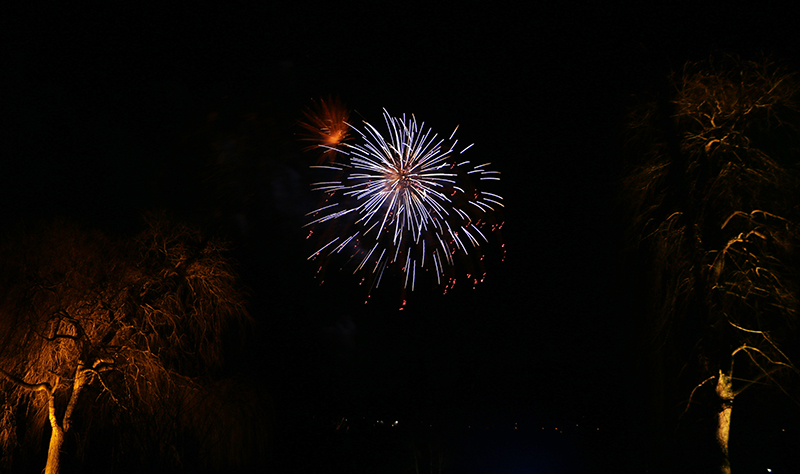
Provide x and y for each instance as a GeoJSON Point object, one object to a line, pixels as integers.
{"type": "Point", "coordinates": [405, 199]}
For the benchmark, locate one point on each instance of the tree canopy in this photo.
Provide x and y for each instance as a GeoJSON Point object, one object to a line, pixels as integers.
{"type": "Point", "coordinates": [127, 338]}
{"type": "Point", "coordinates": [713, 191]}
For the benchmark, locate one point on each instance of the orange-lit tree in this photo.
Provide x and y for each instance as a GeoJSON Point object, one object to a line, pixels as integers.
{"type": "Point", "coordinates": [114, 343]}
{"type": "Point", "coordinates": [713, 192]}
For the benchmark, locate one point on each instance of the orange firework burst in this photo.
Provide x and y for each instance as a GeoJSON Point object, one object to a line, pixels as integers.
{"type": "Point", "coordinates": [328, 128]}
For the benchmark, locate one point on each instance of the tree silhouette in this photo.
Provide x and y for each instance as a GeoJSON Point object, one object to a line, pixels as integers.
{"type": "Point", "coordinates": [117, 343]}
{"type": "Point", "coordinates": [713, 196]}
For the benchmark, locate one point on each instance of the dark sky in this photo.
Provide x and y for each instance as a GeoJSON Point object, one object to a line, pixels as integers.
{"type": "Point", "coordinates": [106, 114]}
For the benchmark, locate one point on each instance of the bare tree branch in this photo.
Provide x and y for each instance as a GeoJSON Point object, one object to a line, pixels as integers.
{"type": "Point", "coordinates": [36, 387]}
{"type": "Point", "coordinates": [691, 395]}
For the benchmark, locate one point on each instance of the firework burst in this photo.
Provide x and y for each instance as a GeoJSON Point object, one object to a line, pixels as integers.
{"type": "Point", "coordinates": [405, 201]}
{"type": "Point", "coordinates": [326, 127]}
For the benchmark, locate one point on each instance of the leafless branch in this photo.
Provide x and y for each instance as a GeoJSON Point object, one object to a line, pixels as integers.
{"type": "Point", "coordinates": [694, 390]}
{"type": "Point", "coordinates": [744, 329]}
{"type": "Point", "coordinates": [35, 387]}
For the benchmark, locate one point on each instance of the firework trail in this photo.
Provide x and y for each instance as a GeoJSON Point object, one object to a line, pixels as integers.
{"type": "Point", "coordinates": [404, 201]}
{"type": "Point", "coordinates": [326, 127]}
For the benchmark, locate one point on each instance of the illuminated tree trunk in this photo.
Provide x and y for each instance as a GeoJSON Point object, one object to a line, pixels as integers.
{"type": "Point", "coordinates": [58, 429]}
{"type": "Point", "coordinates": [725, 394]}
{"type": "Point", "coordinates": [56, 441]}
{"type": "Point", "coordinates": [57, 436]}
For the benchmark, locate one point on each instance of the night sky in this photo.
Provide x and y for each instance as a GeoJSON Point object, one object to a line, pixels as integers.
{"type": "Point", "coordinates": [110, 112]}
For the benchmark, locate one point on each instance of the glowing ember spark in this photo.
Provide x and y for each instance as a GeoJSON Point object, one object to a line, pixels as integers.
{"type": "Point", "coordinates": [327, 127]}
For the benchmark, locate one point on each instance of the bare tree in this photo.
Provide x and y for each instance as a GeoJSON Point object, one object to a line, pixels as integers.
{"type": "Point", "coordinates": [713, 195]}
{"type": "Point", "coordinates": [98, 333]}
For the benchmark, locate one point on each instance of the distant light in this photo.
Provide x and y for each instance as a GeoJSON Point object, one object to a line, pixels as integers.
{"type": "Point", "coordinates": [769, 470]}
